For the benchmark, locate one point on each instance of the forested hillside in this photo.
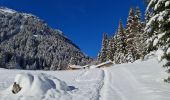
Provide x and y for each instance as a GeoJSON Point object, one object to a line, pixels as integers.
{"type": "Point", "coordinates": [26, 42]}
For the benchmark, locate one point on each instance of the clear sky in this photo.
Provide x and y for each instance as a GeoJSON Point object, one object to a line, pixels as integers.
{"type": "Point", "coordinates": [82, 21]}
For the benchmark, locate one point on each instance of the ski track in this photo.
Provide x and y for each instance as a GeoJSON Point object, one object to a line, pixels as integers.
{"type": "Point", "coordinates": [91, 81]}
{"type": "Point", "coordinates": [108, 91]}
{"type": "Point", "coordinates": [124, 86]}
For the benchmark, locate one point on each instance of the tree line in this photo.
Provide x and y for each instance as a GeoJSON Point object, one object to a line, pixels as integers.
{"type": "Point", "coordinates": [127, 44]}
{"type": "Point", "coordinates": [139, 38]}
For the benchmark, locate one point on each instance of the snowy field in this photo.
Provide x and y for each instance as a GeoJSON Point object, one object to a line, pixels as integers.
{"type": "Point", "coordinates": [137, 81]}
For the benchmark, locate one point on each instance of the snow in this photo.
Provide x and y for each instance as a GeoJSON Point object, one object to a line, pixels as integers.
{"type": "Point", "coordinates": [26, 15]}
{"type": "Point", "coordinates": [159, 54]}
{"type": "Point", "coordinates": [167, 3]}
{"type": "Point", "coordinates": [77, 66]}
{"type": "Point", "coordinates": [101, 64]}
{"type": "Point", "coordinates": [93, 66]}
{"type": "Point", "coordinates": [160, 35]}
{"type": "Point", "coordinates": [141, 80]}
{"type": "Point", "coordinates": [59, 31]}
{"type": "Point", "coordinates": [152, 19]}
{"type": "Point", "coordinates": [11, 11]}
{"type": "Point", "coordinates": [168, 51]}
{"type": "Point", "coordinates": [35, 35]}
{"type": "Point", "coordinates": [155, 42]}
{"type": "Point", "coordinates": [21, 27]}
{"type": "Point", "coordinates": [150, 3]}
{"type": "Point", "coordinates": [137, 81]}
{"type": "Point", "coordinates": [160, 18]}
{"type": "Point", "coordinates": [88, 75]}
{"type": "Point", "coordinates": [157, 17]}
{"type": "Point", "coordinates": [7, 10]}
{"type": "Point", "coordinates": [157, 5]}
{"type": "Point", "coordinates": [37, 85]}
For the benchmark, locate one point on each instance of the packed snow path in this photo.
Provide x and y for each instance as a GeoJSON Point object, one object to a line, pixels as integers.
{"type": "Point", "coordinates": [137, 81]}
{"type": "Point", "coordinates": [134, 82]}
{"type": "Point", "coordinates": [124, 86]}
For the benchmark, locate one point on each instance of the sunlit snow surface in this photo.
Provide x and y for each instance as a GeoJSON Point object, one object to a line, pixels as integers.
{"type": "Point", "coordinates": [137, 81]}
{"type": "Point", "coordinates": [6, 10]}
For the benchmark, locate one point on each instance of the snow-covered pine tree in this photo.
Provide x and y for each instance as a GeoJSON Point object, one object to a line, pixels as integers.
{"type": "Point", "coordinates": [138, 13]}
{"type": "Point", "coordinates": [98, 57]}
{"type": "Point", "coordinates": [73, 61]}
{"type": "Point", "coordinates": [111, 49]}
{"type": "Point", "coordinates": [140, 37]}
{"type": "Point", "coordinates": [103, 53]}
{"type": "Point", "coordinates": [131, 32]}
{"type": "Point", "coordinates": [158, 27]}
{"type": "Point", "coordinates": [115, 47]}
{"type": "Point", "coordinates": [120, 45]}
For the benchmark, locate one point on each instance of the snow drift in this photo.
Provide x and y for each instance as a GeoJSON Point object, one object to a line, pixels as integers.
{"type": "Point", "coordinates": [39, 85]}
{"type": "Point", "coordinates": [141, 80]}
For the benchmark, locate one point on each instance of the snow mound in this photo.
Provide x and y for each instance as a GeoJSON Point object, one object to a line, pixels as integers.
{"type": "Point", "coordinates": [38, 84]}
{"type": "Point", "coordinates": [159, 54]}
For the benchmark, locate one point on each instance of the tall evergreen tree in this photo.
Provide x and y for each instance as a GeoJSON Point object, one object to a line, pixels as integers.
{"type": "Point", "coordinates": [111, 49]}
{"type": "Point", "coordinates": [103, 53]}
{"type": "Point", "coordinates": [120, 45]}
{"type": "Point", "coordinates": [135, 36]}
{"type": "Point", "coordinates": [138, 13]}
{"type": "Point", "coordinates": [115, 47]}
{"type": "Point", "coordinates": [131, 30]}
{"type": "Point", "coordinates": [158, 27]}
{"type": "Point", "coordinates": [140, 37]}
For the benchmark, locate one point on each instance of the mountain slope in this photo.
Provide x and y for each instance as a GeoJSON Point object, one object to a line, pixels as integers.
{"type": "Point", "coordinates": [29, 43]}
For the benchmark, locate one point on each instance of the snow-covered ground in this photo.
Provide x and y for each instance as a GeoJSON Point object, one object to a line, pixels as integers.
{"type": "Point", "coordinates": [137, 81]}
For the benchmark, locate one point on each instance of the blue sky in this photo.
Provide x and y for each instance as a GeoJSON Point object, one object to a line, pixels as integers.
{"type": "Point", "coordinates": [83, 21]}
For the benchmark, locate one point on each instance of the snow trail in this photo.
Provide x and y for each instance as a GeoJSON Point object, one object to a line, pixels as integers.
{"type": "Point", "coordinates": [90, 84]}
{"type": "Point", "coordinates": [108, 91]}
{"type": "Point", "coordinates": [122, 85]}
{"type": "Point", "coordinates": [102, 91]}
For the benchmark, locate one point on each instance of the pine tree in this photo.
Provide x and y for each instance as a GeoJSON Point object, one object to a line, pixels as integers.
{"type": "Point", "coordinates": [140, 37]}
{"type": "Point", "coordinates": [138, 13]}
{"type": "Point", "coordinates": [157, 27]}
{"type": "Point", "coordinates": [115, 48]}
{"type": "Point", "coordinates": [134, 31]}
{"type": "Point", "coordinates": [103, 53]}
{"type": "Point", "coordinates": [111, 49]}
{"type": "Point", "coordinates": [73, 61]}
{"type": "Point", "coordinates": [120, 45]}
{"type": "Point", "coordinates": [131, 31]}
